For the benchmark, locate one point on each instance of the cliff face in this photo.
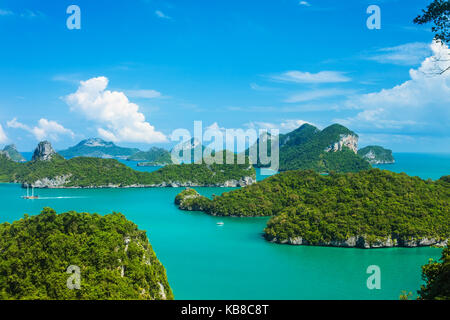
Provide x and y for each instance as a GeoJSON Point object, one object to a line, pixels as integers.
{"type": "Point", "coordinates": [44, 152]}
{"type": "Point", "coordinates": [349, 141]}
{"type": "Point", "coordinates": [362, 243]}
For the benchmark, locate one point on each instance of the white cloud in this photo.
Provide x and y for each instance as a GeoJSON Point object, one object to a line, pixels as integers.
{"type": "Point", "coordinates": [161, 15]}
{"type": "Point", "coordinates": [420, 104]}
{"type": "Point", "coordinates": [147, 94]}
{"type": "Point", "coordinates": [120, 119]}
{"type": "Point", "coordinates": [316, 94]}
{"type": "Point", "coordinates": [406, 54]}
{"type": "Point", "coordinates": [45, 129]}
{"type": "Point", "coordinates": [3, 137]}
{"type": "Point", "coordinates": [304, 3]}
{"type": "Point", "coordinates": [307, 77]}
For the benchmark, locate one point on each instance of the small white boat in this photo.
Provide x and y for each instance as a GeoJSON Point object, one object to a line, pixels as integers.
{"type": "Point", "coordinates": [220, 223]}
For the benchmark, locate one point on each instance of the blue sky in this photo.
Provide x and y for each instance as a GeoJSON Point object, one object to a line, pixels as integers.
{"type": "Point", "coordinates": [231, 64]}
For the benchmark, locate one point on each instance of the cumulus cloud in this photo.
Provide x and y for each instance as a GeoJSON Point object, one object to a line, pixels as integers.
{"type": "Point", "coordinates": [304, 3]}
{"type": "Point", "coordinates": [420, 104]}
{"type": "Point", "coordinates": [119, 119]}
{"type": "Point", "coordinates": [307, 77]}
{"type": "Point", "coordinates": [45, 129]}
{"type": "Point", "coordinates": [406, 54]}
{"type": "Point", "coordinates": [3, 137]}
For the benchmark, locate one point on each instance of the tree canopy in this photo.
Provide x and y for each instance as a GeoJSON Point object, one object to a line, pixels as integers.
{"type": "Point", "coordinates": [115, 259]}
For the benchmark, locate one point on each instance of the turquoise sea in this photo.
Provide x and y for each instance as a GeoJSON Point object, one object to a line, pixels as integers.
{"type": "Point", "coordinates": [233, 261]}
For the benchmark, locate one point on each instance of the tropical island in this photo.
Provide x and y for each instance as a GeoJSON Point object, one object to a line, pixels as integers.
{"type": "Point", "coordinates": [377, 155]}
{"type": "Point", "coordinates": [48, 169]}
{"type": "Point", "coordinates": [368, 209]}
{"type": "Point", "coordinates": [331, 149]}
{"type": "Point", "coordinates": [115, 259]}
{"type": "Point", "coordinates": [154, 156]}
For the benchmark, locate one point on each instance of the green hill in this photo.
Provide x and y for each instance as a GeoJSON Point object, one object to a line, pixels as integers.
{"type": "Point", "coordinates": [153, 156]}
{"type": "Point", "coordinates": [98, 148]}
{"type": "Point", "coordinates": [332, 149]}
{"type": "Point", "coordinates": [376, 155]}
{"type": "Point", "coordinates": [115, 259]}
{"type": "Point", "coordinates": [11, 152]}
{"type": "Point", "coordinates": [371, 208]}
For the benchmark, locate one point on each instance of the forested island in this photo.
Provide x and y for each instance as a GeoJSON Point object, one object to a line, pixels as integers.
{"type": "Point", "coordinates": [331, 149]}
{"type": "Point", "coordinates": [377, 155]}
{"type": "Point", "coordinates": [115, 259]}
{"type": "Point", "coordinates": [48, 169]}
{"type": "Point", "coordinates": [154, 156]}
{"type": "Point", "coordinates": [369, 209]}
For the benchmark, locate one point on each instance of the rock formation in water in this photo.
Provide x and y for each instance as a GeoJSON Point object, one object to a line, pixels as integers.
{"type": "Point", "coordinates": [44, 152]}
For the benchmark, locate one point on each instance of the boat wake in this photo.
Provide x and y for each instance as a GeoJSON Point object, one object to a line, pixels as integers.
{"type": "Point", "coordinates": [50, 198]}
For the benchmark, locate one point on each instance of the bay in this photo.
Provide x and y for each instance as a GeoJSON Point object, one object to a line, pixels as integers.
{"type": "Point", "coordinates": [207, 261]}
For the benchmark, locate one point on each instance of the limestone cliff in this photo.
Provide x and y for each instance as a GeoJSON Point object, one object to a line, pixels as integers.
{"type": "Point", "coordinates": [346, 140]}
{"type": "Point", "coordinates": [44, 152]}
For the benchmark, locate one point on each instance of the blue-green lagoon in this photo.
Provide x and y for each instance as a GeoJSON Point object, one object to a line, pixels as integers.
{"type": "Point", "coordinates": [233, 261]}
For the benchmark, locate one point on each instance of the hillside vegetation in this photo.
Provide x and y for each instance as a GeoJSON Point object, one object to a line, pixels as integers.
{"type": "Point", "coordinates": [309, 148]}
{"type": "Point", "coordinates": [437, 279]}
{"type": "Point", "coordinates": [115, 259]}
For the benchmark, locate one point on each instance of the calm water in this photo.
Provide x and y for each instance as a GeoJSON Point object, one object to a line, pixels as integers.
{"type": "Point", "coordinates": [422, 165]}
{"type": "Point", "coordinates": [206, 261]}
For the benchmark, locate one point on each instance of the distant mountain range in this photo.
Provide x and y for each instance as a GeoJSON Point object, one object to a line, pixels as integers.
{"type": "Point", "coordinates": [334, 148]}
{"type": "Point", "coordinates": [98, 148]}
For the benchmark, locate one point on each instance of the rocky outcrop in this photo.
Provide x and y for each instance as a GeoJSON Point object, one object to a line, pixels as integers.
{"type": "Point", "coordinates": [348, 140]}
{"type": "Point", "coordinates": [52, 183]}
{"type": "Point", "coordinates": [44, 152]}
{"type": "Point", "coordinates": [60, 182]}
{"type": "Point", "coordinates": [363, 243]}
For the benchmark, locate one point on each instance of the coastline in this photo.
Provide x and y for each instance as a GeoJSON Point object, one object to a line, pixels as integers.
{"type": "Point", "coordinates": [360, 242]}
